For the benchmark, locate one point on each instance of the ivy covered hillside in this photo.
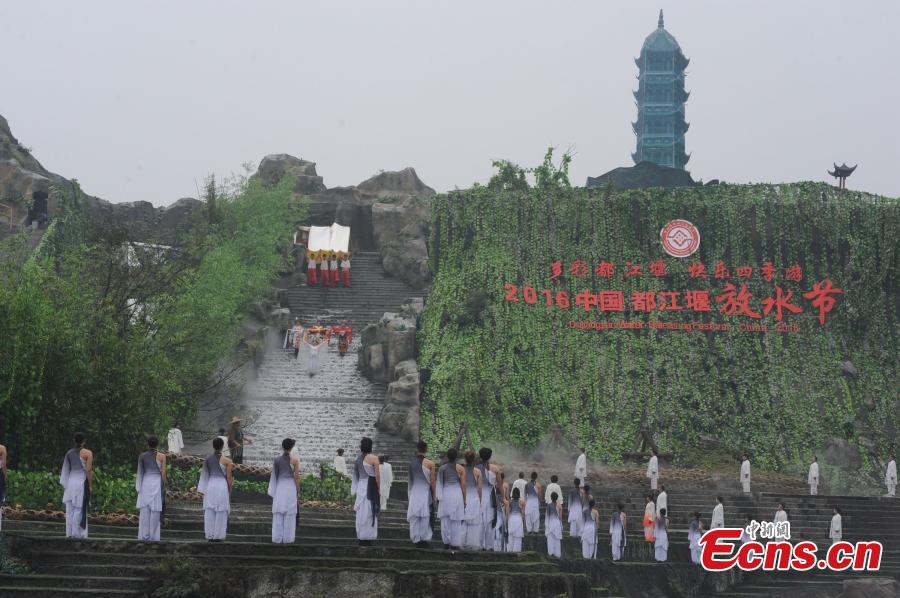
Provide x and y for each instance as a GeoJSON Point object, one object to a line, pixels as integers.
{"type": "Point", "coordinates": [558, 305]}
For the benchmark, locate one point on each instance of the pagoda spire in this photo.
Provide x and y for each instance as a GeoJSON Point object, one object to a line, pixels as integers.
{"type": "Point", "coordinates": [659, 23]}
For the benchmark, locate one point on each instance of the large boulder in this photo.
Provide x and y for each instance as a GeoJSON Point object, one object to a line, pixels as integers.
{"type": "Point", "coordinates": [407, 259]}
{"type": "Point", "coordinates": [400, 414]}
{"type": "Point", "coordinates": [400, 183]}
{"type": "Point", "coordinates": [275, 166]}
{"type": "Point", "coordinates": [387, 344]}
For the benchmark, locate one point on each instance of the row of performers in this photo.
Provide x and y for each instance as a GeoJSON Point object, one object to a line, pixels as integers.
{"type": "Point", "coordinates": [327, 268]}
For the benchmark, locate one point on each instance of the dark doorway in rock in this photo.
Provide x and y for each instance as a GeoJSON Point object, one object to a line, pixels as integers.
{"type": "Point", "coordinates": [38, 212]}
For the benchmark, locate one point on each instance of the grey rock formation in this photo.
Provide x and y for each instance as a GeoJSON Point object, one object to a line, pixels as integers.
{"type": "Point", "coordinates": [840, 453]}
{"type": "Point", "coordinates": [400, 230]}
{"type": "Point", "coordinates": [275, 166]}
{"type": "Point", "coordinates": [402, 184]}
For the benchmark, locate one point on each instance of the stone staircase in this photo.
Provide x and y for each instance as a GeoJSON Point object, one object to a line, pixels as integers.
{"type": "Point", "coordinates": [338, 406]}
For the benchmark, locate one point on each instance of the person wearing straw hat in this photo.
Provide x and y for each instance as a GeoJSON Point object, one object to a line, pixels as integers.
{"type": "Point", "coordinates": [237, 440]}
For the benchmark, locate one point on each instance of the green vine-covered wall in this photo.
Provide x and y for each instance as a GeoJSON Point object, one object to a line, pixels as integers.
{"type": "Point", "coordinates": [512, 370]}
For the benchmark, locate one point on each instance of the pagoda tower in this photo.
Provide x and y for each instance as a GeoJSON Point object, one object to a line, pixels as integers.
{"type": "Point", "coordinates": [660, 97]}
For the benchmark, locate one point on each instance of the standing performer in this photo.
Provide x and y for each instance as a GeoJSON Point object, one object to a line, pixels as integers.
{"type": "Point", "coordinates": [4, 458]}
{"type": "Point", "coordinates": [617, 532]}
{"type": "Point", "coordinates": [215, 486]}
{"type": "Point", "coordinates": [284, 488]}
{"type": "Point", "coordinates": [420, 494]}
{"type": "Point", "coordinates": [575, 514]}
{"type": "Point", "coordinates": [649, 519]}
{"type": "Point", "coordinates": [653, 469]}
{"type": "Point", "coordinates": [515, 522]}
{"type": "Point", "coordinates": [552, 487]}
{"type": "Point", "coordinates": [237, 440]}
{"type": "Point", "coordinates": [387, 478]}
{"type": "Point", "coordinates": [581, 465]}
{"type": "Point", "coordinates": [310, 269]}
{"type": "Point", "coordinates": [695, 532]}
{"type": "Point", "coordinates": [662, 537]}
{"type": "Point", "coordinates": [312, 363]}
{"type": "Point", "coordinates": [501, 525]}
{"type": "Point", "coordinates": [472, 534]}
{"type": "Point", "coordinates": [345, 270]}
{"type": "Point", "coordinates": [366, 481]}
{"type": "Point", "coordinates": [589, 531]}
{"type": "Point", "coordinates": [533, 505]}
{"type": "Point", "coordinates": [745, 474]}
{"type": "Point", "coordinates": [837, 531]}
{"type": "Point", "coordinates": [340, 464]}
{"type": "Point", "coordinates": [718, 515]}
{"type": "Point", "coordinates": [151, 487]}
{"type": "Point", "coordinates": [553, 526]}
{"type": "Point", "coordinates": [489, 501]}
{"type": "Point", "coordinates": [451, 495]}
{"type": "Point", "coordinates": [333, 270]}
{"type": "Point", "coordinates": [322, 262]}
{"type": "Point", "coordinates": [890, 476]}
{"type": "Point", "coordinates": [813, 478]}
{"type": "Point", "coordinates": [77, 478]}
{"type": "Point", "coordinates": [520, 483]}
{"type": "Point", "coordinates": [745, 535]}
{"type": "Point", "coordinates": [781, 516]}
{"type": "Point", "coordinates": [662, 500]}
{"type": "Point", "coordinates": [297, 338]}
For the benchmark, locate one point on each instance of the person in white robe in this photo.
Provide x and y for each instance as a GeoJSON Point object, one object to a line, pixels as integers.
{"type": "Point", "coordinates": [890, 477]}
{"type": "Point", "coordinates": [813, 478]}
{"type": "Point", "coordinates": [340, 463]}
{"type": "Point", "coordinates": [215, 486]}
{"type": "Point", "coordinates": [297, 338]}
{"type": "Point", "coordinates": [618, 532]}
{"type": "Point", "coordinates": [837, 531]}
{"type": "Point", "coordinates": [781, 516]}
{"type": "Point", "coordinates": [589, 530]}
{"type": "Point", "coordinates": [718, 515]}
{"type": "Point", "coordinates": [649, 519]}
{"type": "Point", "coordinates": [653, 469]}
{"type": "Point", "coordinates": [695, 532]}
{"type": "Point", "coordinates": [420, 496]}
{"type": "Point", "coordinates": [661, 544]}
{"type": "Point", "coordinates": [515, 522]}
{"type": "Point", "coordinates": [533, 505]}
{"type": "Point", "coordinates": [745, 474]}
{"type": "Point", "coordinates": [312, 359]}
{"type": "Point", "coordinates": [490, 500]}
{"type": "Point", "coordinates": [501, 523]}
{"type": "Point", "coordinates": [662, 500]}
{"type": "Point", "coordinates": [575, 516]}
{"type": "Point", "coordinates": [284, 488]}
{"type": "Point", "coordinates": [520, 484]}
{"type": "Point", "coordinates": [745, 535]}
{"type": "Point", "coordinates": [345, 270]}
{"type": "Point", "coordinates": [387, 478]}
{"type": "Point", "coordinates": [451, 495]}
{"type": "Point", "coordinates": [581, 465]}
{"type": "Point", "coordinates": [77, 478]}
{"type": "Point", "coordinates": [472, 533]}
{"type": "Point", "coordinates": [552, 487]}
{"type": "Point", "coordinates": [553, 526]}
{"type": "Point", "coordinates": [150, 484]}
{"type": "Point", "coordinates": [365, 482]}
{"type": "Point", "coordinates": [223, 434]}
{"type": "Point", "coordinates": [4, 458]}
{"type": "Point", "coordinates": [175, 441]}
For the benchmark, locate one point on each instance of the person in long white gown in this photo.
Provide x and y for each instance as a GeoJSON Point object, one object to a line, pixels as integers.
{"type": "Point", "coordinates": [284, 488]}
{"type": "Point", "coordinates": [745, 474]}
{"type": "Point", "coordinates": [581, 465]}
{"type": "Point", "coordinates": [451, 495]}
{"type": "Point", "coordinates": [890, 477]}
{"type": "Point", "coordinates": [515, 522]}
{"type": "Point", "coordinates": [533, 505]}
{"type": "Point", "coordinates": [501, 524]}
{"type": "Point", "coordinates": [781, 516]}
{"type": "Point", "coordinates": [215, 486]}
{"type": "Point", "coordinates": [312, 355]}
{"type": "Point", "coordinates": [366, 480]}
{"type": "Point", "coordinates": [745, 535]}
{"type": "Point", "coordinates": [653, 469]}
{"type": "Point", "coordinates": [420, 495]}
{"type": "Point", "coordinates": [552, 487]}
{"type": "Point", "coordinates": [718, 515]}
{"type": "Point", "coordinates": [553, 526]}
{"type": "Point", "coordinates": [387, 478]}
{"type": "Point", "coordinates": [695, 532]}
{"type": "Point", "coordinates": [297, 338]}
{"type": "Point", "coordinates": [4, 458]}
{"type": "Point", "coordinates": [340, 463]}
{"type": "Point", "coordinates": [813, 478]}
{"type": "Point", "coordinates": [576, 516]}
{"type": "Point", "coordinates": [150, 484]}
{"type": "Point", "coordinates": [472, 535]}
{"type": "Point", "coordinates": [589, 530]}
{"type": "Point", "coordinates": [661, 544]}
{"type": "Point", "coordinates": [77, 478]}
{"type": "Point", "coordinates": [175, 441]}
{"type": "Point", "coordinates": [489, 499]}
{"type": "Point", "coordinates": [662, 500]}
{"type": "Point", "coordinates": [837, 530]}
{"type": "Point", "coordinates": [617, 532]}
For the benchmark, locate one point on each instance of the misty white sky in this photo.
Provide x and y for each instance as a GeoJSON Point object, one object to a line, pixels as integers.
{"type": "Point", "coordinates": [139, 99]}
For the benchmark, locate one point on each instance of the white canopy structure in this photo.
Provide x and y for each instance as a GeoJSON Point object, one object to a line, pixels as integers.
{"type": "Point", "coordinates": [334, 238]}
